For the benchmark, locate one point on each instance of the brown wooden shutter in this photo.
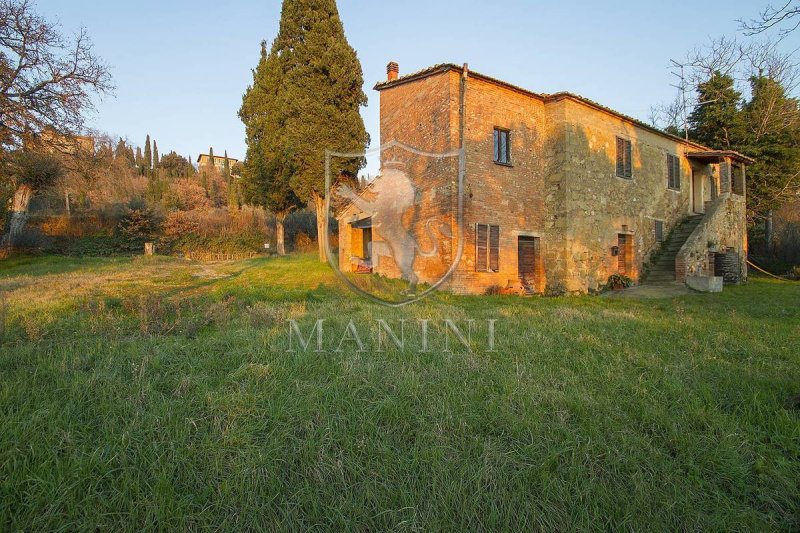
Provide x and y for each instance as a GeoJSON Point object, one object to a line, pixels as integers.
{"type": "Point", "coordinates": [481, 240]}
{"type": "Point", "coordinates": [724, 177]}
{"type": "Point", "coordinates": [670, 169]}
{"type": "Point", "coordinates": [659, 231]}
{"type": "Point", "coordinates": [494, 248]}
{"type": "Point", "coordinates": [628, 160]}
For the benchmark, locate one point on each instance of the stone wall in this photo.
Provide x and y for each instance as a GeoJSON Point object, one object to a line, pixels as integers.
{"type": "Point", "coordinates": [560, 187]}
{"type": "Point", "coordinates": [724, 226]}
{"type": "Point", "coordinates": [600, 205]}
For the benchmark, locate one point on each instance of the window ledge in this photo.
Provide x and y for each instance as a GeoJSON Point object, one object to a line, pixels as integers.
{"type": "Point", "coordinates": [509, 165]}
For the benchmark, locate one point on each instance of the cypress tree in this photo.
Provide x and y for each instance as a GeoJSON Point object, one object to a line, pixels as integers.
{"type": "Point", "coordinates": [267, 168]}
{"type": "Point", "coordinates": [211, 156]}
{"type": "Point", "coordinates": [226, 167]}
{"type": "Point", "coordinates": [316, 90]}
{"type": "Point", "coordinates": [124, 153]}
{"type": "Point", "coordinates": [139, 160]}
{"type": "Point", "coordinates": [155, 155]}
{"type": "Point", "coordinates": [148, 155]}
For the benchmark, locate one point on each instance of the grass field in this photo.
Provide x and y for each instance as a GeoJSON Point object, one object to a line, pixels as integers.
{"type": "Point", "coordinates": [159, 393]}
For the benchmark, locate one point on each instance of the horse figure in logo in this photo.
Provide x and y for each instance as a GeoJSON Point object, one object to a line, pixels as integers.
{"type": "Point", "coordinates": [391, 195]}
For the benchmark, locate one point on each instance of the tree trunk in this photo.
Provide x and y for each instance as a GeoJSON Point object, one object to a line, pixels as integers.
{"type": "Point", "coordinates": [322, 231]}
{"type": "Point", "coordinates": [66, 203]}
{"type": "Point", "coordinates": [768, 234]}
{"type": "Point", "coordinates": [280, 232]}
{"type": "Point", "coordinates": [18, 215]}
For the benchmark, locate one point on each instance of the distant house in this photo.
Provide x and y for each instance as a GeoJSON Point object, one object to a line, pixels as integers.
{"type": "Point", "coordinates": [67, 144]}
{"type": "Point", "coordinates": [559, 191]}
{"type": "Point", "coordinates": [204, 160]}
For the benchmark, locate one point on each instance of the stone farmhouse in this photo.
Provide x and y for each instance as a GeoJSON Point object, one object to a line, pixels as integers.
{"type": "Point", "coordinates": [560, 192]}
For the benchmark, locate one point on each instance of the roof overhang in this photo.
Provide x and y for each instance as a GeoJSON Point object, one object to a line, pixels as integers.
{"type": "Point", "coordinates": [719, 156]}
{"type": "Point", "coordinates": [363, 223]}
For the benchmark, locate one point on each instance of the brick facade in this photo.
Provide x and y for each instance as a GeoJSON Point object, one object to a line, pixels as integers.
{"type": "Point", "coordinates": [560, 188]}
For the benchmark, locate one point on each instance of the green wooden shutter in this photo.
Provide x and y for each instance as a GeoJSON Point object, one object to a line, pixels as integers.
{"type": "Point", "coordinates": [620, 157]}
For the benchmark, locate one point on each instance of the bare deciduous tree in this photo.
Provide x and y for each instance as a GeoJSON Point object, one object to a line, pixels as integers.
{"type": "Point", "coordinates": [47, 83]}
{"type": "Point", "coordinates": [786, 17]}
{"type": "Point", "coordinates": [46, 79]}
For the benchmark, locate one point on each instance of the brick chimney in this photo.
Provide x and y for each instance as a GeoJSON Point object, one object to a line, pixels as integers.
{"type": "Point", "coordinates": [392, 71]}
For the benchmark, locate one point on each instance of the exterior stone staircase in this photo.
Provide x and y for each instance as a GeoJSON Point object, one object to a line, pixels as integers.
{"type": "Point", "coordinates": [662, 271]}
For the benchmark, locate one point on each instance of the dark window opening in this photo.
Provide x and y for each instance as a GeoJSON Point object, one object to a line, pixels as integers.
{"type": "Point", "coordinates": [502, 146]}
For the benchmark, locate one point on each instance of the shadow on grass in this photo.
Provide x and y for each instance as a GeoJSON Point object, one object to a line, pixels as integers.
{"type": "Point", "coordinates": [28, 265]}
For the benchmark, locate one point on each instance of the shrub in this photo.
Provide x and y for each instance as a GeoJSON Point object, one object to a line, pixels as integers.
{"type": "Point", "coordinates": [186, 194]}
{"type": "Point", "coordinates": [136, 227]}
{"type": "Point", "coordinates": [555, 289]}
{"type": "Point", "coordinates": [493, 290]}
{"type": "Point", "coordinates": [215, 231]}
{"type": "Point", "coordinates": [304, 243]}
{"type": "Point", "coordinates": [618, 281]}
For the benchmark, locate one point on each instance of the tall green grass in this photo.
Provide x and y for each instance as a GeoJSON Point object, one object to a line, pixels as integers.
{"type": "Point", "coordinates": [160, 394]}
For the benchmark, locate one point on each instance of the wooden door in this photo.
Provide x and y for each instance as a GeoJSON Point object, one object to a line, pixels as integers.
{"type": "Point", "coordinates": [526, 255]}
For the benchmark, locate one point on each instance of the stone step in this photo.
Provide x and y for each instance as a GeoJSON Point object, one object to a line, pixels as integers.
{"type": "Point", "coordinates": [666, 265]}
{"type": "Point", "coordinates": [662, 270]}
{"type": "Point", "coordinates": [660, 278]}
{"type": "Point", "coordinates": [663, 266]}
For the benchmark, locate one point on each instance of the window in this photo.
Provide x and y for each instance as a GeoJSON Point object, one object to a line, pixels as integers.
{"type": "Point", "coordinates": [659, 231]}
{"type": "Point", "coordinates": [502, 146]}
{"type": "Point", "coordinates": [487, 248]}
{"type": "Point", "coordinates": [673, 172]}
{"type": "Point", "coordinates": [624, 159]}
